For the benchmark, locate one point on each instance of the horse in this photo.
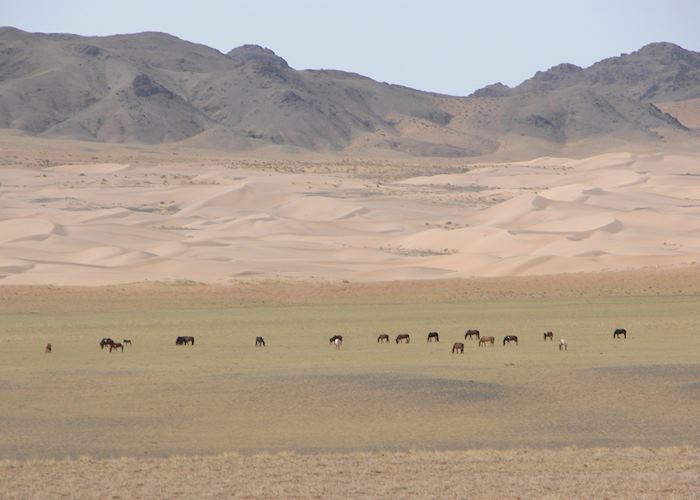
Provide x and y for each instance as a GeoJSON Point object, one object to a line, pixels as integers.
{"type": "Point", "coordinates": [458, 348]}
{"type": "Point", "coordinates": [401, 337]}
{"type": "Point", "coordinates": [433, 337]}
{"type": "Point", "coordinates": [336, 337]}
{"type": "Point", "coordinates": [487, 340]}
{"type": "Point", "coordinates": [563, 345]}
{"type": "Point", "coordinates": [126, 341]}
{"type": "Point", "coordinates": [116, 345]}
{"type": "Point", "coordinates": [510, 338]}
{"type": "Point", "coordinates": [618, 332]}
{"type": "Point", "coordinates": [259, 342]}
{"type": "Point", "coordinates": [47, 348]}
{"type": "Point", "coordinates": [548, 335]}
{"type": "Point", "coordinates": [106, 342]}
{"type": "Point", "coordinates": [184, 340]}
{"type": "Point", "coordinates": [382, 338]}
{"type": "Point", "coordinates": [338, 342]}
{"type": "Point", "coordinates": [469, 334]}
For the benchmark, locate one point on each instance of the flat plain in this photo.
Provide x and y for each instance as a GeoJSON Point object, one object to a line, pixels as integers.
{"type": "Point", "coordinates": [303, 399]}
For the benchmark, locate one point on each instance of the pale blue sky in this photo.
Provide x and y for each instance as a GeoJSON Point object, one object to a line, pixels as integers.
{"type": "Point", "coordinates": [444, 46]}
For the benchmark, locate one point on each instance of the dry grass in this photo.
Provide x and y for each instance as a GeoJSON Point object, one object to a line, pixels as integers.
{"type": "Point", "coordinates": [311, 421]}
{"type": "Point", "coordinates": [569, 473]}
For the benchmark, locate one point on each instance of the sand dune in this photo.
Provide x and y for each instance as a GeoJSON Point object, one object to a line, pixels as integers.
{"type": "Point", "coordinates": [93, 224]}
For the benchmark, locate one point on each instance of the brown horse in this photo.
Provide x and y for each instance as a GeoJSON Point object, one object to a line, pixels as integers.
{"type": "Point", "coordinates": [433, 337]}
{"type": "Point", "coordinates": [403, 337]}
{"type": "Point", "coordinates": [126, 341]}
{"type": "Point", "coordinates": [458, 348]}
{"type": "Point", "coordinates": [487, 340]}
{"type": "Point", "coordinates": [382, 338]}
{"type": "Point", "coordinates": [106, 342]}
{"type": "Point", "coordinates": [47, 348]}
{"type": "Point", "coordinates": [116, 345]}
{"type": "Point", "coordinates": [334, 338]}
{"type": "Point", "coordinates": [548, 335]}
{"type": "Point", "coordinates": [471, 333]}
{"type": "Point", "coordinates": [510, 338]}
{"type": "Point", "coordinates": [184, 340]}
{"type": "Point", "coordinates": [259, 342]}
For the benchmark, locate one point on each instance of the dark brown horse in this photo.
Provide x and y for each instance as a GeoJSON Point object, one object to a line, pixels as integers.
{"type": "Point", "coordinates": [458, 347]}
{"type": "Point", "coordinates": [471, 333]}
{"type": "Point", "coordinates": [116, 345]}
{"type": "Point", "coordinates": [548, 335]}
{"type": "Point", "coordinates": [403, 337]}
{"type": "Point", "coordinates": [618, 332]}
{"type": "Point", "coordinates": [184, 340]}
{"type": "Point", "coordinates": [106, 342]}
{"type": "Point", "coordinates": [433, 337]}
{"type": "Point", "coordinates": [126, 341]}
{"type": "Point", "coordinates": [510, 338]}
{"type": "Point", "coordinates": [259, 342]}
{"type": "Point", "coordinates": [486, 340]}
{"type": "Point", "coordinates": [382, 338]}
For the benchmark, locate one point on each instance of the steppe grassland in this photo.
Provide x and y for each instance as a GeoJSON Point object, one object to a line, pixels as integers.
{"type": "Point", "coordinates": [298, 393]}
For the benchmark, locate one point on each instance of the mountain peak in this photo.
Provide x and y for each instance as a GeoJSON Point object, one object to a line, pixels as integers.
{"type": "Point", "coordinates": [256, 53]}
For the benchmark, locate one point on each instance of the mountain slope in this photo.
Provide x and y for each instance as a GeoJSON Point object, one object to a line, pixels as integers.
{"type": "Point", "coordinates": [155, 88]}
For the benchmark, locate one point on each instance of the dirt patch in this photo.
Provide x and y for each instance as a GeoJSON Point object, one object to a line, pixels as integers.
{"type": "Point", "coordinates": [522, 473]}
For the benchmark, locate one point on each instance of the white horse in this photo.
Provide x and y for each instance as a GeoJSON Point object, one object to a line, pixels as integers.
{"type": "Point", "coordinates": [337, 343]}
{"type": "Point", "coordinates": [563, 345]}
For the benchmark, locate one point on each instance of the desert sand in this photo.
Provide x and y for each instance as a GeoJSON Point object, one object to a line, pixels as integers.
{"type": "Point", "coordinates": [99, 222]}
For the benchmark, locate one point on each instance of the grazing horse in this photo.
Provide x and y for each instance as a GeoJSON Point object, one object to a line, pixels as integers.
{"type": "Point", "coordinates": [338, 342]}
{"type": "Point", "coordinates": [487, 340]}
{"type": "Point", "coordinates": [106, 342]}
{"type": "Point", "coordinates": [458, 347]}
{"type": "Point", "coordinates": [433, 337]}
{"type": "Point", "coordinates": [403, 337]}
{"type": "Point", "coordinates": [382, 338]}
{"type": "Point", "coordinates": [470, 333]}
{"type": "Point", "coordinates": [548, 335]}
{"type": "Point", "coordinates": [126, 341]}
{"type": "Point", "coordinates": [618, 332]}
{"type": "Point", "coordinates": [259, 342]}
{"type": "Point", "coordinates": [184, 340]}
{"type": "Point", "coordinates": [47, 348]}
{"type": "Point", "coordinates": [336, 337]}
{"type": "Point", "coordinates": [510, 338]}
{"type": "Point", "coordinates": [563, 345]}
{"type": "Point", "coordinates": [116, 345]}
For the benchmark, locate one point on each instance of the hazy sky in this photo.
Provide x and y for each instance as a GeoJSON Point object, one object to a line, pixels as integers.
{"type": "Point", "coordinates": [447, 46]}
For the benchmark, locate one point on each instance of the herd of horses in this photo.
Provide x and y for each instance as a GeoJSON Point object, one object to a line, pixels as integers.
{"type": "Point", "coordinates": [458, 347]}
{"type": "Point", "coordinates": [113, 345]}
{"type": "Point", "coordinates": [401, 338]}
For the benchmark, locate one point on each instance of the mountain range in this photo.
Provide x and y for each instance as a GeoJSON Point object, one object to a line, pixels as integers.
{"type": "Point", "coordinates": [154, 88]}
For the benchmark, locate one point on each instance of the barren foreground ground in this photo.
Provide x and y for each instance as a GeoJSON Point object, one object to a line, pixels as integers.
{"type": "Point", "coordinates": [569, 473]}
{"type": "Point", "coordinates": [372, 407]}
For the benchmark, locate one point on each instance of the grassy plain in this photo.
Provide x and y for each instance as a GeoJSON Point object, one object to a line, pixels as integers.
{"type": "Point", "coordinates": [305, 409]}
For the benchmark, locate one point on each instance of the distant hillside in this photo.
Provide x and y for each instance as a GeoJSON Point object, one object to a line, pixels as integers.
{"type": "Point", "coordinates": [154, 88]}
